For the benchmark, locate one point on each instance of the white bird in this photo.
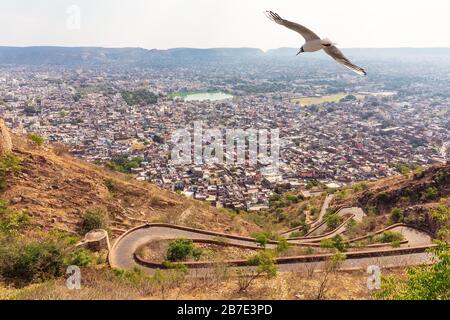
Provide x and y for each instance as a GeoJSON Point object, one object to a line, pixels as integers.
{"type": "Point", "coordinates": [315, 43]}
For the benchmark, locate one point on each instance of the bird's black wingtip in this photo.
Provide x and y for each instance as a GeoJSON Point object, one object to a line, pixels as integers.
{"type": "Point", "coordinates": [272, 15]}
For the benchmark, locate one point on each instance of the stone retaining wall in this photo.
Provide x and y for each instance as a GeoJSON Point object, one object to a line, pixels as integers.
{"type": "Point", "coordinates": [288, 260]}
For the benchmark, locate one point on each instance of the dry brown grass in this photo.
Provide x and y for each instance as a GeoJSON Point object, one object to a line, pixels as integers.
{"type": "Point", "coordinates": [217, 284]}
{"type": "Point", "coordinates": [96, 285]}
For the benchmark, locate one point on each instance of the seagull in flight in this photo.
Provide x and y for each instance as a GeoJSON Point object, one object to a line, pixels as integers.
{"type": "Point", "coordinates": [315, 43]}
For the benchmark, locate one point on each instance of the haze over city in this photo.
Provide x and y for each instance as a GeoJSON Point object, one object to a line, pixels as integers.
{"type": "Point", "coordinates": [213, 23]}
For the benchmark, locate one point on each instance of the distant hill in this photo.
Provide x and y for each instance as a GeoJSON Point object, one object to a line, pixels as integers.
{"type": "Point", "coordinates": [70, 56]}
{"type": "Point", "coordinates": [127, 56]}
{"type": "Point", "coordinates": [80, 56]}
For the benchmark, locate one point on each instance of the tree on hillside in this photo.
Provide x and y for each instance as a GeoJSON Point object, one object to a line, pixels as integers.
{"type": "Point", "coordinates": [124, 164]}
{"type": "Point", "coordinates": [442, 215]}
{"type": "Point", "coordinates": [262, 264]}
{"type": "Point", "coordinates": [330, 267]}
{"type": "Point", "coordinates": [95, 218]}
{"type": "Point", "coordinates": [422, 283]}
{"type": "Point", "coordinates": [139, 97]}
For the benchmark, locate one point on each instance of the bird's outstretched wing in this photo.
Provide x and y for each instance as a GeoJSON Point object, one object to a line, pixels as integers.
{"type": "Point", "coordinates": [337, 55]}
{"type": "Point", "coordinates": [305, 32]}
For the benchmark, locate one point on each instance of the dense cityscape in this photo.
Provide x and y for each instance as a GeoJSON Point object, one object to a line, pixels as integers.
{"type": "Point", "coordinates": [371, 127]}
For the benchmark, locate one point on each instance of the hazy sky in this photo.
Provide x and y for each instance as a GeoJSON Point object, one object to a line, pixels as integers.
{"type": "Point", "coordinates": [223, 23]}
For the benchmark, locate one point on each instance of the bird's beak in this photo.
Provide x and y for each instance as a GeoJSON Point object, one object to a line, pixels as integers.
{"type": "Point", "coordinates": [301, 51]}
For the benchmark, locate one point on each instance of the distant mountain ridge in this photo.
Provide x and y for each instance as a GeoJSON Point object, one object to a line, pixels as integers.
{"type": "Point", "coordinates": [139, 56]}
{"type": "Point", "coordinates": [78, 56]}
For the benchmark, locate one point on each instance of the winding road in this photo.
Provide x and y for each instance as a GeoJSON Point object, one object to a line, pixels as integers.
{"type": "Point", "coordinates": [411, 252]}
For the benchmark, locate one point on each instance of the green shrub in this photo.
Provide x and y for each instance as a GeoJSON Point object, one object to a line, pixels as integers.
{"type": "Point", "coordinates": [138, 97]}
{"type": "Point", "coordinates": [264, 264]}
{"type": "Point", "coordinates": [111, 184]}
{"type": "Point", "coordinates": [197, 253]}
{"type": "Point", "coordinates": [391, 236]}
{"type": "Point", "coordinates": [135, 276]}
{"type": "Point", "coordinates": [269, 235]}
{"type": "Point", "coordinates": [404, 170]}
{"type": "Point", "coordinates": [3, 206]}
{"type": "Point", "coordinates": [292, 198]}
{"type": "Point", "coordinates": [282, 246]}
{"type": "Point", "coordinates": [382, 197]}
{"type": "Point", "coordinates": [280, 215]}
{"type": "Point", "coordinates": [396, 244]}
{"type": "Point", "coordinates": [12, 221]}
{"type": "Point", "coordinates": [9, 165]}
{"type": "Point", "coordinates": [181, 249]}
{"type": "Point", "coordinates": [80, 257]}
{"type": "Point", "coordinates": [360, 186]}
{"type": "Point", "coordinates": [296, 223]}
{"type": "Point", "coordinates": [331, 191]}
{"type": "Point", "coordinates": [94, 219]}
{"type": "Point", "coordinates": [33, 262]}
{"type": "Point", "coordinates": [372, 211]}
{"type": "Point", "coordinates": [441, 214]}
{"type": "Point", "coordinates": [327, 244]}
{"type": "Point", "coordinates": [64, 238]}
{"type": "Point", "coordinates": [422, 283]}
{"type": "Point", "coordinates": [397, 215]}
{"type": "Point", "coordinates": [261, 239]}
{"type": "Point", "coordinates": [167, 280]}
{"type": "Point", "coordinates": [339, 243]}
{"type": "Point", "coordinates": [315, 212]}
{"type": "Point", "coordinates": [302, 226]}
{"type": "Point", "coordinates": [333, 221]}
{"type": "Point", "coordinates": [274, 198]}
{"type": "Point", "coordinates": [334, 243]}
{"type": "Point", "coordinates": [37, 139]}
{"type": "Point", "coordinates": [265, 261]}
{"type": "Point", "coordinates": [123, 164]}
{"type": "Point", "coordinates": [176, 266]}
{"type": "Point", "coordinates": [312, 184]}
{"type": "Point", "coordinates": [352, 227]}
{"type": "Point", "coordinates": [296, 234]}
{"type": "Point", "coordinates": [330, 211]}
{"type": "Point", "coordinates": [431, 193]}
{"type": "Point", "coordinates": [340, 195]}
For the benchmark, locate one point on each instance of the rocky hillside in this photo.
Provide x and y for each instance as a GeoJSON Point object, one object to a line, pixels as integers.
{"type": "Point", "coordinates": [415, 194]}
{"type": "Point", "coordinates": [56, 189]}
